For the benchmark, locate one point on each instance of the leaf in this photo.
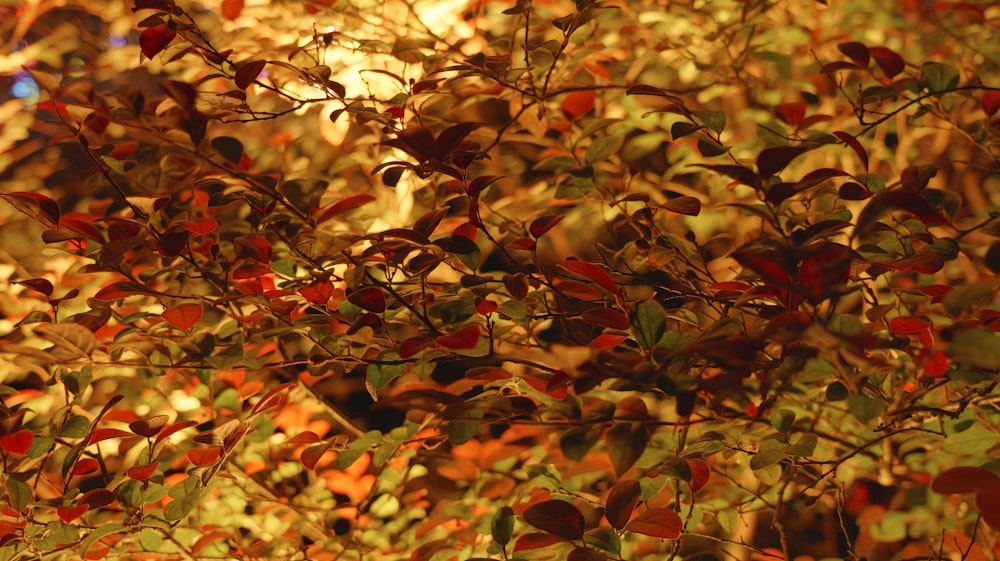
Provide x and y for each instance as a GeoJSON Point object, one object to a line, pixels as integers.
{"type": "Point", "coordinates": [606, 317]}
{"type": "Point", "coordinates": [535, 540]}
{"type": "Point", "coordinates": [625, 443]}
{"type": "Point", "coordinates": [183, 316]}
{"type": "Point", "coordinates": [594, 272]}
{"type": "Point", "coordinates": [70, 337]}
{"type": "Point", "coordinates": [142, 473]}
{"type": "Point", "coordinates": [102, 530]}
{"type": "Point", "coordinates": [18, 442]}
{"type": "Point", "coordinates": [118, 290]}
{"type": "Point", "coordinates": [700, 474]}
{"type": "Point", "coordinates": [689, 206]}
{"type": "Point", "coordinates": [976, 348]}
{"type": "Point", "coordinates": [857, 52]}
{"type": "Point", "coordinates": [603, 148]}
{"type": "Point", "coordinates": [204, 456]}
{"type": "Point", "coordinates": [658, 523]}
{"type": "Point", "coordinates": [344, 205]}
{"type": "Point", "coordinates": [648, 321]}
{"type": "Point", "coordinates": [965, 479]}
{"type": "Point", "coordinates": [150, 427]}
{"type": "Point", "coordinates": [202, 226]}
{"type": "Point", "coordinates": [152, 40]}
{"type": "Point", "coordinates": [543, 224]}
{"type": "Point", "coordinates": [775, 158]}
{"type": "Point", "coordinates": [369, 298]}
{"type": "Point", "coordinates": [991, 103]}
{"type": "Point", "coordinates": [70, 513]}
{"type": "Point", "coordinates": [621, 502]}
{"type": "Point", "coordinates": [38, 285]}
{"type": "Point", "coordinates": [680, 129]}
{"type": "Point", "coordinates": [791, 113]}
{"type": "Point", "coordinates": [463, 339]}
{"type": "Point", "coordinates": [905, 325]}
{"type": "Point", "coordinates": [853, 191]}
{"type": "Point", "coordinates": [556, 517]}
{"type": "Point", "coordinates": [988, 503]}
{"type": "Point", "coordinates": [248, 72]}
{"type": "Point", "coordinates": [855, 145]}
{"type": "Point", "coordinates": [888, 60]}
{"type": "Point", "coordinates": [578, 103]}
{"type": "Point", "coordinates": [936, 76]}
{"type": "Point", "coordinates": [710, 148]}
{"type": "Point", "coordinates": [502, 525]}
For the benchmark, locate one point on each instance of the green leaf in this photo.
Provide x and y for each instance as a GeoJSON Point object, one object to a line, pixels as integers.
{"type": "Point", "coordinates": [782, 419]}
{"type": "Point", "coordinates": [770, 452]}
{"type": "Point", "coordinates": [385, 451]}
{"type": "Point", "coordinates": [577, 442]}
{"type": "Point", "coordinates": [976, 348]}
{"type": "Point", "coordinates": [681, 129]}
{"type": "Point", "coordinates": [625, 443]}
{"type": "Point", "coordinates": [936, 76]}
{"type": "Point", "coordinates": [380, 375]}
{"type": "Point", "coordinates": [714, 120]}
{"type": "Point", "coordinates": [602, 148]}
{"type": "Point", "coordinates": [649, 323]}
{"type": "Point", "coordinates": [20, 494]}
{"type": "Point", "coordinates": [77, 426]}
{"type": "Point", "coordinates": [186, 497]}
{"type": "Point", "coordinates": [836, 391]}
{"type": "Point", "coordinates": [710, 148]}
{"type": "Point", "coordinates": [967, 296]}
{"type": "Point", "coordinates": [865, 407]}
{"type": "Point", "coordinates": [460, 432]}
{"type": "Point", "coordinates": [804, 446]}
{"type": "Point", "coordinates": [99, 532]}
{"type": "Point", "coordinates": [502, 526]}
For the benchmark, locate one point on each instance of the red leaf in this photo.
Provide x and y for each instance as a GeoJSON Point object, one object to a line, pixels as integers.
{"type": "Point", "coordinates": [70, 513]}
{"type": "Point", "coordinates": [35, 205]}
{"type": "Point", "coordinates": [319, 293]}
{"type": "Point", "coordinates": [152, 40]}
{"type": "Point", "coordinates": [525, 244]}
{"type": "Point", "coordinates": [593, 272]}
{"type": "Point", "coordinates": [855, 51]}
{"type": "Point", "coordinates": [988, 503]}
{"type": "Point", "coordinates": [991, 103]}
{"type": "Point", "coordinates": [342, 206]}
{"type": "Point", "coordinates": [251, 271]}
{"type": "Point", "coordinates": [467, 230]}
{"type": "Point", "coordinates": [370, 298]}
{"type": "Point", "coordinates": [578, 290]}
{"type": "Point", "coordinates": [311, 455]}
{"type": "Point", "coordinates": [855, 145]}
{"type": "Point", "coordinates": [965, 479]}
{"type": "Point", "coordinates": [578, 103]}
{"type": "Point", "coordinates": [606, 317]}
{"type": "Point", "coordinates": [658, 523]}
{"type": "Point", "coordinates": [888, 60]}
{"type": "Point", "coordinates": [104, 434]}
{"type": "Point", "coordinates": [231, 9]}
{"type": "Point", "coordinates": [248, 72]}
{"type": "Point", "coordinates": [937, 364]}
{"type": "Point", "coordinates": [18, 442]}
{"type": "Point", "coordinates": [142, 473]}
{"type": "Point", "coordinates": [204, 456]}
{"type": "Point", "coordinates": [535, 540]}
{"type": "Point", "coordinates": [183, 316]}
{"type": "Point", "coordinates": [414, 345]}
{"type": "Point", "coordinates": [545, 223]}
{"type": "Point", "coordinates": [556, 517]}
{"type": "Point", "coordinates": [767, 264]}
{"type": "Point", "coordinates": [904, 325]}
{"type": "Point", "coordinates": [266, 401]}
{"type": "Point", "coordinates": [621, 502]}
{"type": "Point", "coordinates": [98, 498]}
{"type": "Point", "coordinates": [700, 474]}
{"type": "Point", "coordinates": [305, 437]}
{"type": "Point", "coordinates": [487, 373]}
{"type": "Point", "coordinates": [174, 428]}
{"type": "Point", "coordinates": [791, 113]}
{"type": "Point", "coordinates": [201, 226]}
{"type": "Point", "coordinates": [937, 292]}
{"type": "Point", "coordinates": [607, 341]}
{"type": "Point", "coordinates": [119, 290]}
{"type": "Point", "coordinates": [465, 338]}
{"type": "Point", "coordinates": [775, 158]}
{"type": "Point", "coordinates": [486, 307]}
{"type": "Point", "coordinates": [689, 206]}
{"type": "Point", "coordinates": [85, 466]}
{"type": "Point", "coordinates": [824, 266]}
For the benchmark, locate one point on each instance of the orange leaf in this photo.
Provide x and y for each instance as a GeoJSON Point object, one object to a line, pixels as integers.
{"type": "Point", "coordinates": [231, 9]}
{"type": "Point", "coordinates": [183, 316]}
{"type": "Point", "coordinates": [142, 473]}
{"type": "Point", "coordinates": [70, 513]}
{"type": "Point", "coordinates": [18, 442]}
{"type": "Point", "coordinates": [578, 103]}
{"type": "Point", "coordinates": [658, 523]}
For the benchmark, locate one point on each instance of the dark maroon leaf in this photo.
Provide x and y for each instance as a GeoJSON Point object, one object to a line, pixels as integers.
{"type": "Point", "coordinates": [173, 242]}
{"type": "Point", "coordinates": [450, 138]}
{"type": "Point", "coordinates": [556, 517]}
{"type": "Point", "coordinates": [965, 479]}
{"type": "Point", "coordinates": [38, 285]}
{"type": "Point", "coordinates": [621, 502]}
{"type": "Point", "coordinates": [855, 145]}
{"type": "Point", "coordinates": [152, 40]}
{"type": "Point", "coordinates": [427, 223]}
{"type": "Point", "coordinates": [888, 60]}
{"type": "Point", "coordinates": [248, 72]}
{"type": "Point", "coordinates": [535, 540]}
{"type": "Point", "coordinates": [855, 51]}
{"type": "Point", "coordinates": [463, 339]}
{"type": "Point", "coordinates": [344, 205]}
{"type": "Point", "coordinates": [916, 178]}
{"type": "Point", "coordinates": [149, 427]}
{"type": "Point", "coordinates": [418, 142]}
{"type": "Point", "coordinates": [774, 159]}
{"type": "Point", "coordinates": [852, 191]}
{"type": "Point", "coordinates": [741, 174]}
{"type": "Point", "coordinates": [689, 206]}
{"type": "Point", "coordinates": [625, 443]}
{"type": "Point", "coordinates": [545, 223]}
{"type": "Point", "coordinates": [370, 298]}
{"type": "Point", "coordinates": [606, 317]}
{"type": "Point", "coordinates": [97, 498]}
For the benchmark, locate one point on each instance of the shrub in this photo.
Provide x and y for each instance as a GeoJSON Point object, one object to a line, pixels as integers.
{"type": "Point", "coordinates": [492, 280]}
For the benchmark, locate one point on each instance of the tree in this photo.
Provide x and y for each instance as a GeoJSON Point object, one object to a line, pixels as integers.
{"type": "Point", "coordinates": [488, 280]}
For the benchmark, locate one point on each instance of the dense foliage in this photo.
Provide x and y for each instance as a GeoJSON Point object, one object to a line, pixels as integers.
{"type": "Point", "coordinates": [451, 279]}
